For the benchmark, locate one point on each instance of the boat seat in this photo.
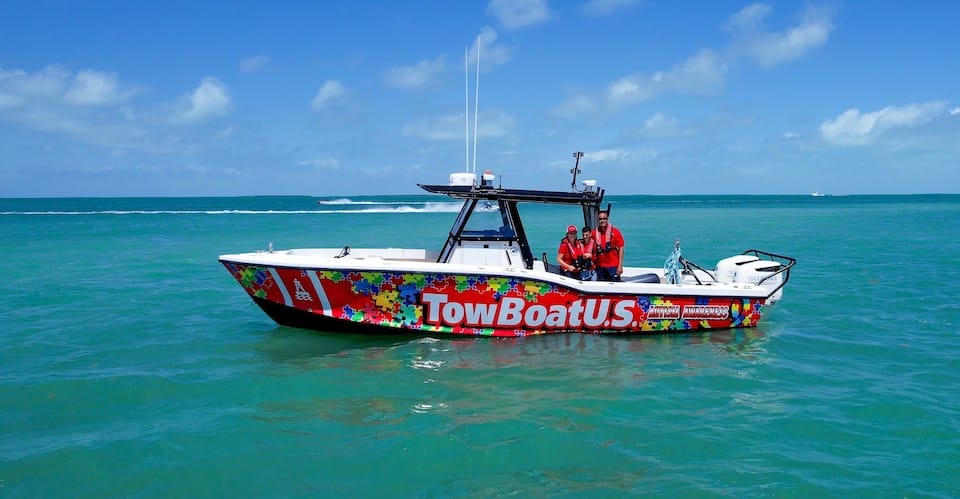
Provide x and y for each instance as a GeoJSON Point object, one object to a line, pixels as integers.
{"type": "Point", "coordinates": [651, 278]}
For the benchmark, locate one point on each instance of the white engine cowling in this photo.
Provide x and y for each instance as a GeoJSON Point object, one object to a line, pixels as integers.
{"type": "Point", "coordinates": [727, 268]}
{"type": "Point", "coordinates": [756, 271]}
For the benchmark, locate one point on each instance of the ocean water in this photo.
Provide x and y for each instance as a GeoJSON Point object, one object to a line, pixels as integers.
{"type": "Point", "coordinates": [132, 364]}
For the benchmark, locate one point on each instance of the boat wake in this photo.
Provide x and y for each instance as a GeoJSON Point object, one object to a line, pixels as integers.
{"type": "Point", "coordinates": [348, 201]}
{"type": "Point", "coordinates": [404, 208]}
{"type": "Point", "coordinates": [379, 208]}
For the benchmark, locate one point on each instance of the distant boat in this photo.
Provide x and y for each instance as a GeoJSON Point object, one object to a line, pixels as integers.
{"type": "Point", "coordinates": [818, 194]}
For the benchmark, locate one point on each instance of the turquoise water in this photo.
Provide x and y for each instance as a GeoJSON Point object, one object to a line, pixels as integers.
{"type": "Point", "coordinates": [132, 364]}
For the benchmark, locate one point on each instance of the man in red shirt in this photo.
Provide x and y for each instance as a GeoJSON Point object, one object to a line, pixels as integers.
{"type": "Point", "coordinates": [609, 248]}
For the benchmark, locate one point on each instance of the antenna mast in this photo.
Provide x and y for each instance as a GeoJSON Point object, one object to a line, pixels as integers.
{"type": "Point", "coordinates": [466, 107]}
{"type": "Point", "coordinates": [575, 170]}
{"type": "Point", "coordinates": [476, 110]}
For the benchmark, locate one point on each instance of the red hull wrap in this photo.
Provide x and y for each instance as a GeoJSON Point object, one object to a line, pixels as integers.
{"type": "Point", "coordinates": [478, 305]}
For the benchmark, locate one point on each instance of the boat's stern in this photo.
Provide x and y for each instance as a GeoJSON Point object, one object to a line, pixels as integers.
{"type": "Point", "coordinates": [760, 268]}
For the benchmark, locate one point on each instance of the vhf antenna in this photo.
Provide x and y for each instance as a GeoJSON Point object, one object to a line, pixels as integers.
{"type": "Point", "coordinates": [575, 170]}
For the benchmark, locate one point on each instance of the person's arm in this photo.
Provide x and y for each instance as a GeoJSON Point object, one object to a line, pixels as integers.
{"type": "Point", "coordinates": [562, 261]}
{"type": "Point", "coordinates": [620, 253]}
{"type": "Point", "coordinates": [620, 263]}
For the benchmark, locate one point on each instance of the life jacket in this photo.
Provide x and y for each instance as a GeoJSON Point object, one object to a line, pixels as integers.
{"type": "Point", "coordinates": [600, 240]}
{"type": "Point", "coordinates": [575, 249]}
{"type": "Point", "coordinates": [589, 248]}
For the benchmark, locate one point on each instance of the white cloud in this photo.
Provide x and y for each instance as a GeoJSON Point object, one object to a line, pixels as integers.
{"type": "Point", "coordinates": [770, 48]}
{"type": "Point", "coordinates": [660, 121]}
{"type": "Point", "coordinates": [955, 111]}
{"type": "Point", "coordinates": [451, 127]}
{"type": "Point", "coordinates": [57, 101]}
{"type": "Point", "coordinates": [661, 125]}
{"type": "Point", "coordinates": [330, 90]}
{"type": "Point", "coordinates": [328, 163]}
{"type": "Point", "coordinates": [605, 155]}
{"type": "Point", "coordinates": [414, 76]}
{"type": "Point", "coordinates": [607, 7]}
{"type": "Point", "coordinates": [749, 17]}
{"type": "Point", "coordinates": [95, 88]}
{"type": "Point", "coordinates": [210, 99]}
{"type": "Point", "coordinates": [519, 13]}
{"type": "Point", "coordinates": [789, 135]}
{"type": "Point", "coordinates": [48, 83]}
{"type": "Point", "coordinates": [101, 133]}
{"type": "Point", "coordinates": [852, 128]}
{"type": "Point", "coordinates": [701, 73]}
{"type": "Point", "coordinates": [575, 107]}
{"type": "Point", "coordinates": [225, 132]}
{"type": "Point", "coordinates": [8, 101]}
{"type": "Point", "coordinates": [630, 88]}
{"type": "Point", "coordinates": [793, 44]}
{"type": "Point", "coordinates": [706, 71]}
{"type": "Point", "coordinates": [492, 54]}
{"type": "Point", "coordinates": [255, 63]}
{"type": "Point", "coordinates": [53, 83]}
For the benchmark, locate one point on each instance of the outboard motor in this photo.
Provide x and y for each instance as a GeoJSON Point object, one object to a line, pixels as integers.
{"type": "Point", "coordinates": [760, 270]}
{"type": "Point", "coordinates": [727, 268]}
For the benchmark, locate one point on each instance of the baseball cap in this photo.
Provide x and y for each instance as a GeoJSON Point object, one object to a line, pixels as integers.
{"type": "Point", "coordinates": [572, 228]}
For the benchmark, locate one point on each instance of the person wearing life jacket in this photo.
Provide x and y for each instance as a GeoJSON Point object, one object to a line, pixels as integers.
{"type": "Point", "coordinates": [609, 249]}
{"type": "Point", "coordinates": [589, 270]}
{"type": "Point", "coordinates": [571, 256]}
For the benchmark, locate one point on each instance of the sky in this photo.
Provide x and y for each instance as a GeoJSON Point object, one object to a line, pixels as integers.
{"type": "Point", "coordinates": [204, 98]}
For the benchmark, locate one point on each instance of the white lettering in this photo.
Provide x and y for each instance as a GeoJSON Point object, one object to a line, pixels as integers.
{"type": "Point", "coordinates": [715, 312]}
{"type": "Point", "coordinates": [576, 308]}
{"type": "Point", "coordinates": [596, 312]}
{"type": "Point", "coordinates": [663, 312]}
{"type": "Point", "coordinates": [479, 314]}
{"type": "Point", "coordinates": [301, 293]}
{"type": "Point", "coordinates": [453, 313]}
{"type": "Point", "coordinates": [433, 302]}
{"type": "Point", "coordinates": [511, 312]}
{"type": "Point", "coordinates": [557, 317]}
{"type": "Point", "coordinates": [535, 315]}
{"type": "Point", "coordinates": [622, 314]}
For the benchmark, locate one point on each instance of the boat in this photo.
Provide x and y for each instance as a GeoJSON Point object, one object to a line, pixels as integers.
{"type": "Point", "coordinates": [485, 280]}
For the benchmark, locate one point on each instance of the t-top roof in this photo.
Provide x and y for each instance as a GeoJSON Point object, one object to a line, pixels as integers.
{"type": "Point", "coordinates": [516, 195]}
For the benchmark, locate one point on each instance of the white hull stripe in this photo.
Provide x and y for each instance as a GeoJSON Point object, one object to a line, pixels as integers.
{"type": "Point", "coordinates": [283, 287]}
{"type": "Point", "coordinates": [324, 301]}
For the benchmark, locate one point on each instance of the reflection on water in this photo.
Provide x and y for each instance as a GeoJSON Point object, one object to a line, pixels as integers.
{"type": "Point", "coordinates": [284, 344]}
{"type": "Point", "coordinates": [311, 350]}
{"type": "Point", "coordinates": [292, 345]}
{"type": "Point", "coordinates": [583, 410]}
{"type": "Point", "coordinates": [562, 382]}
